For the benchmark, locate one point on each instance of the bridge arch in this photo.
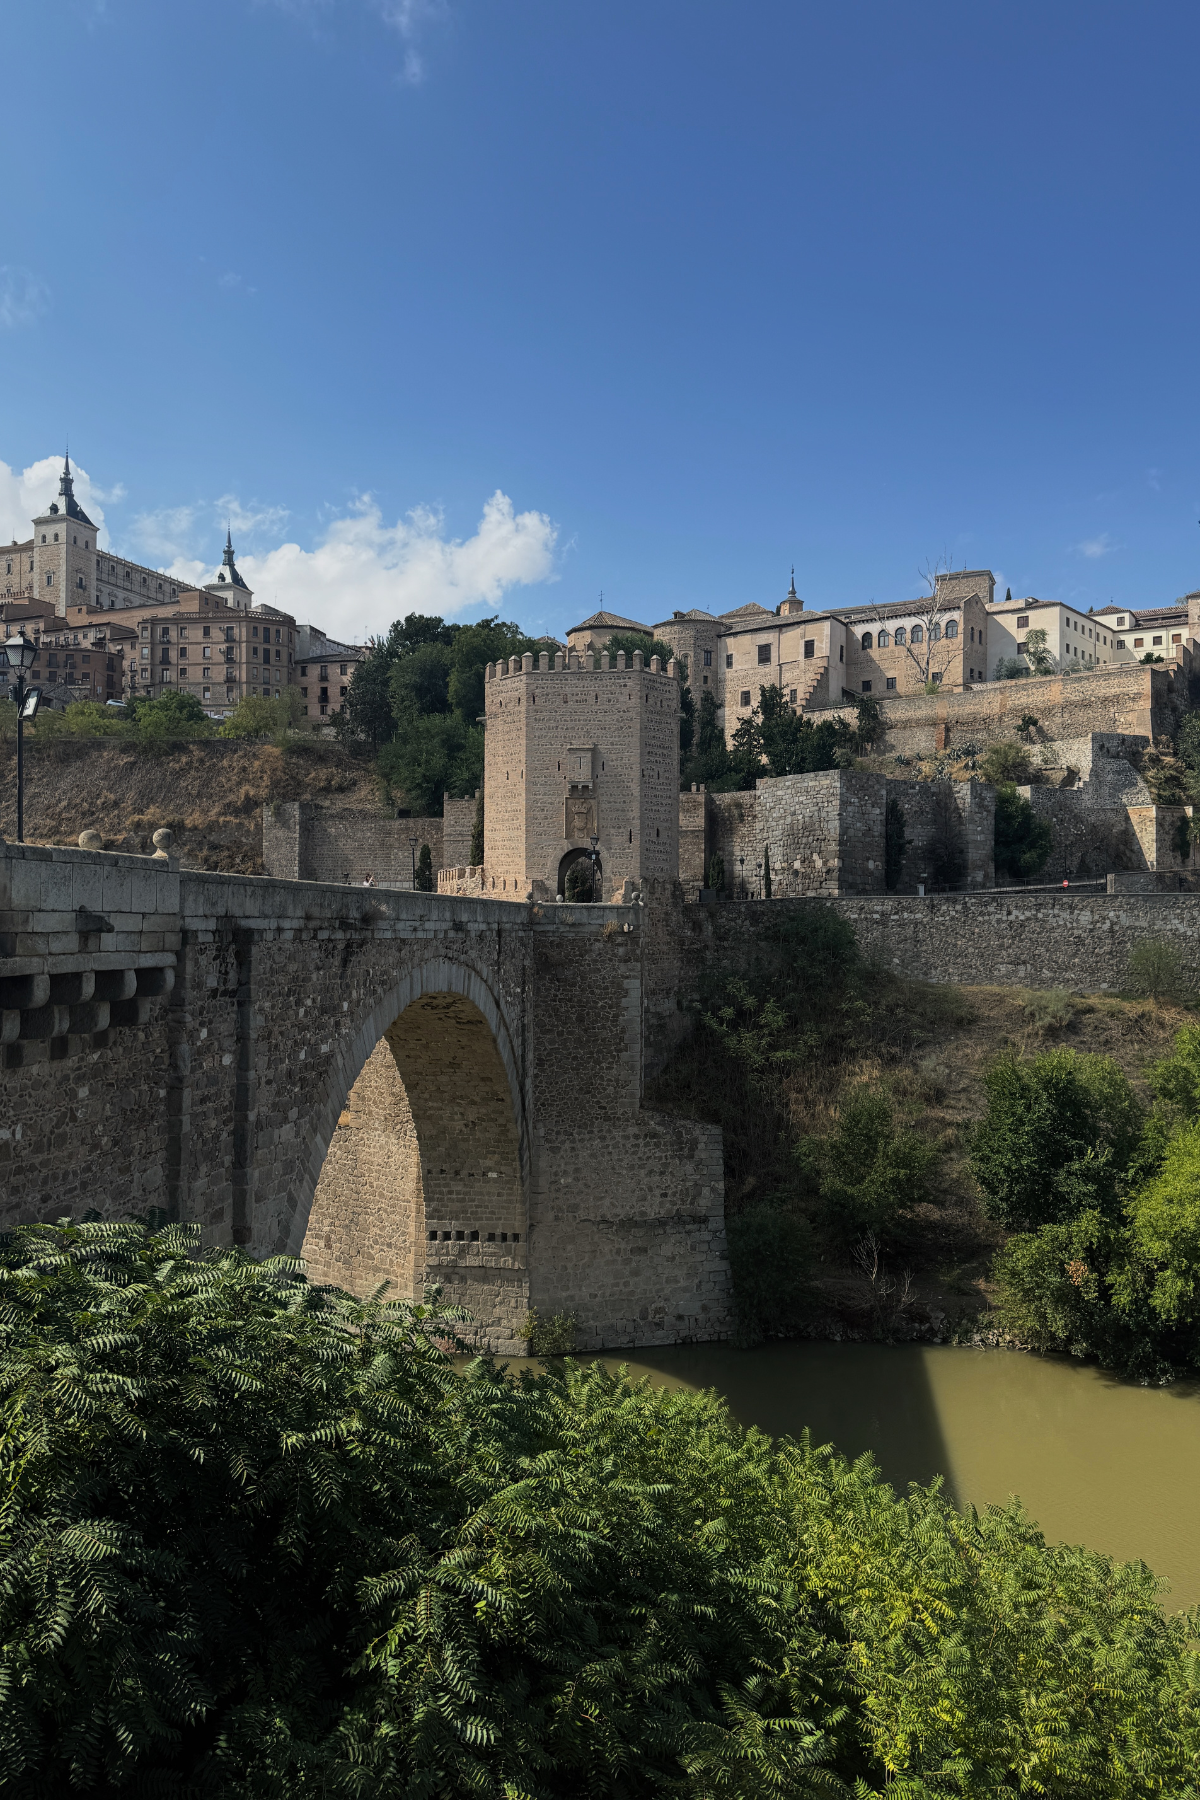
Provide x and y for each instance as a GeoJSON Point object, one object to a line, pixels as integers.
{"type": "Point", "coordinates": [418, 1172]}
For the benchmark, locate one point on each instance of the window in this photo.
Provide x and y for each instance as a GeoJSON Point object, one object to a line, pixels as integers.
{"type": "Point", "coordinates": [1120, 643]}
{"type": "Point", "coordinates": [49, 581]}
{"type": "Point", "coordinates": [764, 653]}
{"type": "Point", "coordinates": [341, 691]}
{"type": "Point", "coordinates": [745, 699]}
{"type": "Point", "coordinates": [207, 692]}
{"type": "Point", "coordinates": [254, 650]}
{"type": "Point", "coordinates": [183, 652]}
{"type": "Point", "coordinates": [1156, 640]}
{"type": "Point", "coordinates": [324, 673]}
{"type": "Point", "coordinates": [792, 696]}
{"type": "Point", "coordinates": [916, 636]}
{"type": "Point", "coordinates": [951, 628]}
{"type": "Point", "coordinates": [883, 640]}
{"type": "Point", "coordinates": [1177, 637]}
{"type": "Point", "coordinates": [809, 647]}
{"type": "Point", "coordinates": [1138, 643]}
{"type": "Point", "coordinates": [729, 659]}
{"type": "Point", "coordinates": [901, 635]}
{"type": "Point", "coordinates": [707, 661]}
{"type": "Point", "coordinates": [343, 668]}
{"type": "Point", "coordinates": [304, 668]}
{"type": "Point", "coordinates": [166, 633]}
{"type": "Point", "coordinates": [868, 643]}
{"type": "Point", "coordinates": [1023, 622]}
{"type": "Point", "coordinates": [304, 693]}
{"type": "Point", "coordinates": [866, 687]}
{"type": "Point", "coordinates": [937, 676]}
{"type": "Point", "coordinates": [935, 632]}
{"type": "Point", "coordinates": [891, 682]}
{"type": "Point", "coordinates": [145, 651]}
{"type": "Point", "coordinates": [254, 633]}
{"type": "Point", "coordinates": [841, 652]}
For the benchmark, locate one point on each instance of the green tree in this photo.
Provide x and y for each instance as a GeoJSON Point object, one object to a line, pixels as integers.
{"type": "Point", "coordinates": [1005, 762]}
{"type": "Point", "coordinates": [766, 871]}
{"type": "Point", "coordinates": [710, 763]}
{"type": "Point", "coordinates": [431, 756]}
{"type": "Point", "coordinates": [252, 718]}
{"type": "Point", "coordinates": [773, 739]}
{"type": "Point", "coordinates": [425, 878]}
{"type": "Point", "coordinates": [1022, 840]}
{"type": "Point", "coordinates": [420, 683]}
{"type": "Point", "coordinates": [716, 872]}
{"type": "Point", "coordinates": [176, 714]}
{"type": "Point", "coordinates": [366, 715]}
{"type": "Point", "coordinates": [476, 851]}
{"type": "Point", "coordinates": [1059, 1134]}
{"type": "Point", "coordinates": [261, 1539]}
{"type": "Point", "coordinates": [872, 1172]}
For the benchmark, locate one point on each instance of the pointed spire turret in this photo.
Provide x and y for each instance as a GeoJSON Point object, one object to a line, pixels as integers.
{"type": "Point", "coordinates": [68, 505]}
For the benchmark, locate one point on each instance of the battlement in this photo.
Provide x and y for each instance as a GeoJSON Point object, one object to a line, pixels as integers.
{"type": "Point", "coordinates": [585, 662]}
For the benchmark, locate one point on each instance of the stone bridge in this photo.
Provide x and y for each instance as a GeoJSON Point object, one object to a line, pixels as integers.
{"type": "Point", "coordinates": [406, 1088]}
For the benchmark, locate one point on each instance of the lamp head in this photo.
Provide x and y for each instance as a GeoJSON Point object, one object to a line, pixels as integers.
{"type": "Point", "coordinates": [21, 651]}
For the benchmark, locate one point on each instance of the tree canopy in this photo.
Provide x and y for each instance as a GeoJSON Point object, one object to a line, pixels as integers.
{"type": "Point", "coordinates": [417, 698]}
{"type": "Point", "coordinates": [261, 1539]}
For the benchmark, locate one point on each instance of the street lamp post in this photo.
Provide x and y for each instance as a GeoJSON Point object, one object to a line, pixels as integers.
{"type": "Point", "coordinates": [412, 844]}
{"type": "Point", "coordinates": [742, 866]}
{"type": "Point", "coordinates": [594, 840]}
{"type": "Point", "coordinates": [758, 881]}
{"type": "Point", "coordinates": [20, 653]}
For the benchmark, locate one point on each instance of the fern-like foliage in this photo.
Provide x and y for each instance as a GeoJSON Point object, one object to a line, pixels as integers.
{"type": "Point", "coordinates": [260, 1539]}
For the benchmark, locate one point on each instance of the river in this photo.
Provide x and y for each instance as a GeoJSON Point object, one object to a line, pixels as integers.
{"type": "Point", "coordinates": [1096, 1461]}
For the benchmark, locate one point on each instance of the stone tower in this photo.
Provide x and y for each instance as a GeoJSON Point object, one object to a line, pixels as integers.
{"type": "Point", "coordinates": [576, 747]}
{"type": "Point", "coordinates": [64, 550]}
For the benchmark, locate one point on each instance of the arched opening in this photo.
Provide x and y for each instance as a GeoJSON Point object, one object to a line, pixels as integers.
{"type": "Point", "coordinates": [422, 1183]}
{"type": "Point", "coordinates": [580, 877]}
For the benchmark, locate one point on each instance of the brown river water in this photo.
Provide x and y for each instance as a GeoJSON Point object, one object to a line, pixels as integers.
{"type": "Point", "coordinates": [1095, 1461]}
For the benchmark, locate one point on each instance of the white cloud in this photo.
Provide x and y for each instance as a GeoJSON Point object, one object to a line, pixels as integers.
{"type": "Point", "coordinates": [365, 573]}
{"type": "Point", "coordinates": [24, 495]}
{"type": "Point", "coordinates": [405, 17]}
{"type": "Point", "coordinates": [23, 298]}
{"type": "Point", "coordinates": [1097, 546]}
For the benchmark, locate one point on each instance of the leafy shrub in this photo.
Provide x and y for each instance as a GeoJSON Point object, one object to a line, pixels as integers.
{"type": "Point", "coordinates": [1155, 971]}
{"type": "Point", "coordinates": [770, 1266]}
{"type": "Point", "coordinates": [254, 718]}
{"type": "Point", "coordinates": [872, 1172]}
{"type": "Point", "coordinates": [1006, 762]}
{"type": "Point", "coordinates": [1059, 1132]}
{"type": "Point", "coordinates": [554, 1336]}
{"type": "Point", "coordinates": [1048, 1009]}
{"type": "Point", "coordinates": [1022, 840]}
{"type": "Point", "coordinates": [716, 872]}
{"type": "Point", "coordinates": [476, 850]}
{"type": "Point", "coordinates": [262, 1540]}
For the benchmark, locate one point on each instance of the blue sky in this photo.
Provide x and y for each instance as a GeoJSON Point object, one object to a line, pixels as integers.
{"type": "Point", "coordinates": [466, 305]}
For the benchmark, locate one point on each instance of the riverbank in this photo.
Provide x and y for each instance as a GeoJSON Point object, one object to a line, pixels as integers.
{"type": "Point", "coordinates": [1095, 1461]}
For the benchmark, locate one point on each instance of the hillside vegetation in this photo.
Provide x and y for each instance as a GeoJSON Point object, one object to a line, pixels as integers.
{"type": "Point", "coordinates": [852, 1104]}
{"type": "Point", "coordinates": [209, 792]}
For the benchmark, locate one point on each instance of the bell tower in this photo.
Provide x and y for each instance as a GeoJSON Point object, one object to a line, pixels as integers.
{"type": "Point", "coordinates": [64, 550]}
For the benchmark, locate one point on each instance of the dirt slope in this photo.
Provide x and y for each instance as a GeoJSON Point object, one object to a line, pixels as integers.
{"type": "Point", "coordinates": [210, 793]}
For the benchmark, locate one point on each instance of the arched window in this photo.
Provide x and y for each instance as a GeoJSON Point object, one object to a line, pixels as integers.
{"type": "Point", "coordinates": [935, 632]}
{"type": "Point", "coordinates": [951, 628]}
{"type": "Point", "coordinates": [867, 641]}
{"type": "Point", "coordinates": [901, 635]}
{"type": "Point", "coordinates": [918, 636]}
{"type": "Point", "coordinates": [883, 640]}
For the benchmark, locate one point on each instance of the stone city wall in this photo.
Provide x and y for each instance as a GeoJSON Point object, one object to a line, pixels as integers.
{"type": "Point", "coordinates": [1137, 699]}
{"type": "Point", "coordinates": [832, 824]}
{"type": "Point", "coordinates": [304, 840]}
{"type": "Point", "coordinates": [1033, 938]}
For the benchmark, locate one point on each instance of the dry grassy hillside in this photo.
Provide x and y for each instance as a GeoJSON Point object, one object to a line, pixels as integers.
{"type": "Point", "coordinates": [209, 793]}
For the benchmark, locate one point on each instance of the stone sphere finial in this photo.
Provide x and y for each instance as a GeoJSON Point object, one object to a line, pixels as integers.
{"type": "Point", "coordinates": [163, 839]}
{"type": "Point", "coordinates": [90, 840]}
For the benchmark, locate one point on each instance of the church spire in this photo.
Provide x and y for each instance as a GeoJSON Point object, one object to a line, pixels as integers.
{"type": "Point", "coordinates": [67, 503]}
{"type": "Point", "coordinates": [791, 593]}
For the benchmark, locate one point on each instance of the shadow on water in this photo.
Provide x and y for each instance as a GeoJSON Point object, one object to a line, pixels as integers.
{"type": "Point", "coordinates": [848, 1395]}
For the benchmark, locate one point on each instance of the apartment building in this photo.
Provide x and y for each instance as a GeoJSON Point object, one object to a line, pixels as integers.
{"type": "Point", "coordinates": [324, 670]}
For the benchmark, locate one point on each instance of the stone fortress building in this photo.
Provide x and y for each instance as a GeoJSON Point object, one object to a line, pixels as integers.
{"type": "Point", "coordinates": [580, 747]}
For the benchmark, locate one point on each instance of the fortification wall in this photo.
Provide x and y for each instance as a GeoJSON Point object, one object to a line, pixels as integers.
{"type": "Point", "coordinates": [304, 841]}
{"type": "Point", "coordinates": [1137, 699]}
